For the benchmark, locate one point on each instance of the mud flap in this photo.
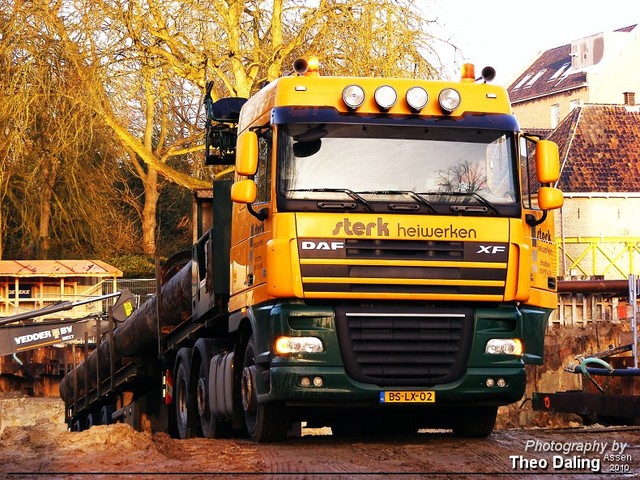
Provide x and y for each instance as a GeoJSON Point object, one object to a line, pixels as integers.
{"type": "Point", "coordinates": [534, 327]}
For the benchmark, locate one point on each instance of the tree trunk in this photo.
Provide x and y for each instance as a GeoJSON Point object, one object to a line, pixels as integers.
{"type": "Point", "coordinates": [49, 172]}
{"type": "Point", "coordinates": [149, 218]}
{"type": "Point", "coordinates": [137, 336]}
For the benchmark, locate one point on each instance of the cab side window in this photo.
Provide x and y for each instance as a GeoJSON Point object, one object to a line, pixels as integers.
{"type": "Point", "coordinates": [263, 175]}
{"type": "Point", "coordinates": [530, 183]}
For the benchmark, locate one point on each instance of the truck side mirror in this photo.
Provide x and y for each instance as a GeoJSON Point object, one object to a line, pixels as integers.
{"type": "Point", "coordinates": [550, 198]}
{"type": "Point", "coordinates": [547, 161]}
{"type": "Point", "coordinates": [244, 191]}
{"type": "Point", "coordinates": [247, 153]}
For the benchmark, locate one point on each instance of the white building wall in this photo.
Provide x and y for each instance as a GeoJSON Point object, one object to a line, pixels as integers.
{"type": "Point", "coordinates": [619, 70]}
{"type": "Point", "coordinates": [599, 235]}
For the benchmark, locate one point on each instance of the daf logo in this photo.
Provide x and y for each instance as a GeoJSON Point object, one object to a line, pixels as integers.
{"type": "Point", "coordinates": [309, 245]}
{"type": "Point", "coordinates": [492, 249]}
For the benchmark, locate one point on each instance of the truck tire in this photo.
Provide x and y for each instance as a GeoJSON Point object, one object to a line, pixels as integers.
{"type": "Point", "coordinates": [211, 425]}
{"type": "Point", "coordinates": [265, 422]}
{"type": "Point", "coordinates": [91, 420]}
{"type": "Point", "coordinates": [76, 426]}
{"type": "Point", "coordinates": [105, 414]}
{"type": "Point", "coordinates": [474, 422]}
{"type": "Point", "coordinates": [184, 404]}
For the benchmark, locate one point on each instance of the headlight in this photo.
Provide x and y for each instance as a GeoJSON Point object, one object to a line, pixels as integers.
{"type": "Point", "coordinates": [449, 99]}
{"type": "Point", "coordinates": [287, 345]}
{"type": "Point", "coordinates": [353, 96]}
{"type": "Point", "coordinates": [385, 97]}
{"type": "Point", "coordinates": [504, 346]}
{"type": "Point", "coordinates": [417, 98]}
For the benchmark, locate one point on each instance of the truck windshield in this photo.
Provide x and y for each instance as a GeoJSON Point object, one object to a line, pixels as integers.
{"type": "Point", "coordinates": [424, 166]}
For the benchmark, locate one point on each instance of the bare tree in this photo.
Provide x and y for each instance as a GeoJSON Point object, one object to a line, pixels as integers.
{"type": "Point", "coordinates": [57, 163]}
{"type": "Point", "coordinates": [140, 67]}
{"type": "Point", "coordinates": [466, 176]}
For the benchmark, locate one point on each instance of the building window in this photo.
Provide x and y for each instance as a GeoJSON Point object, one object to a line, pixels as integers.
{"type": "Point", "coordinates": [535, 77]}
{"type": "Point", "coordinates": [555, 115]}
{"type": "Point", "coordinates": [521, 82]}
{"type": "Point", "coordinates": [575, 103]}
{"type": "Point", "coordinates": [560, 71]}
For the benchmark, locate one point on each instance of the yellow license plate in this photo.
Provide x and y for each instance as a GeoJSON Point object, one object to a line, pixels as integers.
{"type": "Point", "coordinates": [408, 396]}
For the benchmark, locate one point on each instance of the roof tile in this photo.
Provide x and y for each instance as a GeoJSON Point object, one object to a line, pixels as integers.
{"type": "Point", "coordinates": [599, 149]}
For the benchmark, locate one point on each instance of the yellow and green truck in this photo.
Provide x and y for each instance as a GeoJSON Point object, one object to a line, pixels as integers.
{"type": "Point", "coordinates": [383, 261]}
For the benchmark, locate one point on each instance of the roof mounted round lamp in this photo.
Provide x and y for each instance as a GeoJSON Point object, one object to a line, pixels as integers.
{"type": "Point", "coordinates": [449, 99]}
{"type": "Point", "coordinates": [353, 96]}
{"type": "Point", "coordinates": [417, 98]}
{"type": "Point", "coordinates": [385, 97]}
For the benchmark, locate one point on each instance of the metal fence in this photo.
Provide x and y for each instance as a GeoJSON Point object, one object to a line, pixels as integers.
{"type": "Point", "coordinates": [608, 257]}
{"type": "Point", "coordinates": [141, 288]}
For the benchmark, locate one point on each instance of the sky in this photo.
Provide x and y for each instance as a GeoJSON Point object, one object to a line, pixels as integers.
{"type": "Point", "coordinates": [508, 34]}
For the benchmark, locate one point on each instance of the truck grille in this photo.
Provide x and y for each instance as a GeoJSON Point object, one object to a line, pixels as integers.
{"type": "Point", "coordinates": [402, 267]}
{"type": "Point", "coordinates": [396, 346]}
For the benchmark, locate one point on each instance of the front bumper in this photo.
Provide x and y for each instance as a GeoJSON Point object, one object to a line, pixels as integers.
{"type": "Point", "coordinates": [338, 387]}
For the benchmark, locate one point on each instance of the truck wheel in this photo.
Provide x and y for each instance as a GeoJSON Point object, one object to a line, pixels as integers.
{"type": "Point", "coordinates": [183, 407]}
{"type": "Point", "coordinates": [474, 422]}
{"type": "Point", "coordinates": [265, 422]}
{"type": "Point", "coordinates": [212, 427]}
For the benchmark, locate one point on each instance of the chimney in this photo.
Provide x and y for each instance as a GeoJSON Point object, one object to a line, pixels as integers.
{"type": "Point", "coordinates": [629, 98]}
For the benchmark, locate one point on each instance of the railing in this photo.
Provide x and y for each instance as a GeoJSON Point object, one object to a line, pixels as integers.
{"type": "Point", "coordinates": [607, 257]}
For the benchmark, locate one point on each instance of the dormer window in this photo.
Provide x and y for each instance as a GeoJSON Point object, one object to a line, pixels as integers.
{"type": "Point", "coordinates": [521, 82]}
{"type": "Point", "coordinates": [535, 78]}
{"type": "Point", "coordinates": [560, 71]}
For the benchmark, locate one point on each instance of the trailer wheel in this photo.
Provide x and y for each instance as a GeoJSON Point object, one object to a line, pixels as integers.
{"type": "Point", "coordinates": [76, 426]}
{"type": "Point", "coordinates": [105, 415]}
{"type": "Point", "coordinates": [474, 422]}
{"type": "Point", "coordinates": [91, 420]}
{"type": "Point", "coordinates": [265, 422]}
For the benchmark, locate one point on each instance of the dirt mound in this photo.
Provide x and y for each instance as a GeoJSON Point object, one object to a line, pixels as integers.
{"type": "Point", "coordinates": [34, 438]}
{"type": "Point", "coordinates": [24, 411]}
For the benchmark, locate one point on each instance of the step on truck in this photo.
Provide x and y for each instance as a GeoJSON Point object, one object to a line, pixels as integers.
{"type": "Point", "coordinates": [382, 261]}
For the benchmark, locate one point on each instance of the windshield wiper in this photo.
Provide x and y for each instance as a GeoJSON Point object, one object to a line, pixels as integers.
{"type": "Point", "coordinates": [351, 193]}
{"type": "Point", "coordinates": [411, 193]}
{"type": "Point", "coordinates": [486, 204]}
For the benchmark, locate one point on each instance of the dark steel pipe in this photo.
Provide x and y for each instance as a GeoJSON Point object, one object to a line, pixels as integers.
{"type": "Point", "coordinates": [593, 286]}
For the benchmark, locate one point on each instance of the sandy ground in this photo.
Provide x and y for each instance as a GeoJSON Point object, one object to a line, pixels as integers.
{"type": "Point", "coordinates": [34, 443]}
